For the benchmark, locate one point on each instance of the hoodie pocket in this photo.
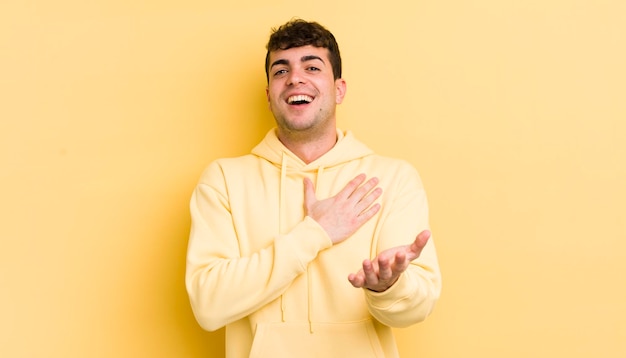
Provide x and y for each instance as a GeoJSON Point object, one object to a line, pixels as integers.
{"type": "Point", "coordinates": [341, 340]}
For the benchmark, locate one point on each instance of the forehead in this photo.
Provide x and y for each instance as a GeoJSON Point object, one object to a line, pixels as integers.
{"type": "Point", "coordinates": [297, 54]}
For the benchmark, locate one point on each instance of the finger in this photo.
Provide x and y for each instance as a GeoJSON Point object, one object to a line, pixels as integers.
{"type": "Point", "coordinates": [362, 191]}
{"type": "Point", "coordinates": [418, 244]}
{"type": "Point", "coordinates": [384, 269]}
{"type": "Point", "coordinates": [352, 186]}
{"type": "Point", "coordinates": [369, 199]}
{"type": "Point", "coordinates": [371, 277]}
{"type": "Point", "coordinates": [424, 236]}
{"type": "Point", "coordinates": [356, 279]}
{"type": "Point", "coordinates": [369, 213]}
{"type": "Point", "coordinates": [400, 262]}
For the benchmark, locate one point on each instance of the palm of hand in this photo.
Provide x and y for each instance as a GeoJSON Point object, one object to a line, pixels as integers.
{"type": "Point", "coordinates": [383, 271]}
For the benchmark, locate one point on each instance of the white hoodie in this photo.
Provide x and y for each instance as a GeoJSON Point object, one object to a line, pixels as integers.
{"type": "Point", "coordinates": [257, 265]}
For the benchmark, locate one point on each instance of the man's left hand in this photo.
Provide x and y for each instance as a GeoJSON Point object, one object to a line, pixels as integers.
{"type": "Point", "coordinates": [383, 271]}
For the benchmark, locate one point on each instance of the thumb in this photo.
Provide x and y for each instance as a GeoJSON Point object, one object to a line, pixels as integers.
{"type": "Point", "coordinates": [309, 193]}
{"type": "Point", "coordinates": [420, 241]}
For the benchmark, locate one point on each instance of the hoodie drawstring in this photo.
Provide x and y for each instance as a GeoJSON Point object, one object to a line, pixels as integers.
{"type": "Point", "coordinates": [281, 221]}
{"type": "Point", "coordinates": [309, 280]}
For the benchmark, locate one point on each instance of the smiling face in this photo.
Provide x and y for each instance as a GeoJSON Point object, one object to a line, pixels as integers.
{"type": "Point", "coordinates": [302, 92]}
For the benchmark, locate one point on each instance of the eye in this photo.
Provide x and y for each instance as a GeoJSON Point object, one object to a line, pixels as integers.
{"type": "Point", "coordinates": [313, 68]}
{"type": "Point", "coordinates": [280, 72]}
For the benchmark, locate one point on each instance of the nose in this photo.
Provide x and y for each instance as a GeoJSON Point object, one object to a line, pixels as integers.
{"type": "Point", "coordinates": [295, 77]}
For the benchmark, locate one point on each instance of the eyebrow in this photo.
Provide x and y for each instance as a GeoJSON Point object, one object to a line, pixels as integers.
{"type": "Point", "coordinates": [306, 58]}
{"type": "Point", "coordinates": [310, 58]}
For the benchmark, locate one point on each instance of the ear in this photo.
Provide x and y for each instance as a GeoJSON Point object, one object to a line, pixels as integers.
{"type": "Point", "coordinates": [340, 90]}
{"type": "Point", "coordinates": [267, 95]}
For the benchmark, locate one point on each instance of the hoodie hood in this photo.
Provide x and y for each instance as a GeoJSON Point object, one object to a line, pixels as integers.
{"type": "Point", "coordinates": [346, 149]}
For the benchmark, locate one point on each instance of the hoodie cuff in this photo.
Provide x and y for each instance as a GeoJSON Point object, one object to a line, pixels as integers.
{"type": "Point", "coordinates": [307, 239]}
{"type": "Point", "coordinates": [403, 288]}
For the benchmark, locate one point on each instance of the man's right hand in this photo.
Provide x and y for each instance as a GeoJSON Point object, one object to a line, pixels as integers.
{"type": "Point", "coordinates": [344, 213]}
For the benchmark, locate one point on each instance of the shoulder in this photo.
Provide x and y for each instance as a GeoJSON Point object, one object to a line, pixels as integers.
{"type": "Point", "coordinates": [225, 167]}
{"type": "Point", "coordinates": [396, 172]}
{"type": "Point", "coordinates": [395, 165]}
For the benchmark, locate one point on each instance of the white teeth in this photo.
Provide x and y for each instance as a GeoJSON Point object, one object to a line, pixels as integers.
{"type": "Point", "coordinates": [299, 98]}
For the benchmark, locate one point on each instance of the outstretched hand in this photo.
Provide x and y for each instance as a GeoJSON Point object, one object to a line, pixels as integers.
{"type": "Point", "coordinates": [383, 271]}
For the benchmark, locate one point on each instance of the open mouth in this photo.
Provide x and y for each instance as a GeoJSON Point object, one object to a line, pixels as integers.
{"type": "Point", "coordinates": [299, 99]}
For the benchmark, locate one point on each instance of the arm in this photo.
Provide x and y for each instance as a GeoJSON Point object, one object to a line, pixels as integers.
{"type": "Point", "coordinates": [402, 283]}
{"type": "Point", "coordinates": [223, 285]}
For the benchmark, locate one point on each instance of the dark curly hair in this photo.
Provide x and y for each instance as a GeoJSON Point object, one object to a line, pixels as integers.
{"type": "Point", "coordinates": [298, 33]}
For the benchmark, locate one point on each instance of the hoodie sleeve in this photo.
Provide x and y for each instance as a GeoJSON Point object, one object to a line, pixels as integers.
{"type": "Point", "coordinates": [412, 298]}
{"type": "Point", "coordinates": [223, 285]}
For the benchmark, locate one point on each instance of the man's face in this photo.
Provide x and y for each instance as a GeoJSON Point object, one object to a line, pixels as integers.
{"type": "Point", "coordinates": [302, 92]}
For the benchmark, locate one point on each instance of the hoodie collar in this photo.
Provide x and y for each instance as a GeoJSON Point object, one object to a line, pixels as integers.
{"type": "Point", "coordinates": [346, 149]}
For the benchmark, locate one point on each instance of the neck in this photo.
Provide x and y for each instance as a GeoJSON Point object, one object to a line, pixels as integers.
{"type": "Point", "coordinates": [306, 146]}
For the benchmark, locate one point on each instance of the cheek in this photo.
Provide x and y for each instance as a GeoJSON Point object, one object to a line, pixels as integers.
{"type": "Point", "coordinates": [272, 94]}
{"type": "Point", "coordinates": [271, 101]}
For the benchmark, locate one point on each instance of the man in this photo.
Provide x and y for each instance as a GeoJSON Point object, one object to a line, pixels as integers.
{"type": "Point", "coordinates": [312, 245]}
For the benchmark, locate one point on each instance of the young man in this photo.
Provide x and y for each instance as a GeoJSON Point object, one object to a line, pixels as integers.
{"type": "Point", "coordinates": [312, 245]}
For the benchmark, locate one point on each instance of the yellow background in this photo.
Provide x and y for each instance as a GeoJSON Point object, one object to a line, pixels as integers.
{"type": "Point", "coordinates": [514, 112]}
